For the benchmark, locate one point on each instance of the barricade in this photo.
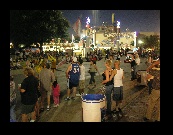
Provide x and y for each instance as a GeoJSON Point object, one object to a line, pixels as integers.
{"type": "Point", "coordinates": [92, 105]}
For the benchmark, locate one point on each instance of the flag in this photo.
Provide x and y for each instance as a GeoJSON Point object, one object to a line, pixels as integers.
{"type": "Point", "coordinates": [77, 27]}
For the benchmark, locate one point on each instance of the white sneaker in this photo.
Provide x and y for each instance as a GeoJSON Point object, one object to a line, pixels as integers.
{"type": "Point", "coordinates": [32, 120]}
{"type": "Point", "coordinates": [78, 95]}
{"type": "Point", "coordinates": [56, 105]}
{"type": "Point", "coordinates": [48, 108]}
{"type": "Point", "coordinates": [82, 94]}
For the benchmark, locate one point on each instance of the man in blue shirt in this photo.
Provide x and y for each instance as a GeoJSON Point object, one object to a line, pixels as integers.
{"type": "Point", "coordinates": [72, 74]}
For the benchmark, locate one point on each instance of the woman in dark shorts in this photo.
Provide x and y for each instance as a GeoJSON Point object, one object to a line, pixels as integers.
{"type": "Point", "coordinates": [29, 97]}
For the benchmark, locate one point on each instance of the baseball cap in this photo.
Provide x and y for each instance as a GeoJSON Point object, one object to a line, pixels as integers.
{"type": "Point", "coordinates": [74, 59]}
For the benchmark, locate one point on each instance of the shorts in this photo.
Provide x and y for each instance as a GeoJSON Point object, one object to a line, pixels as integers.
{"type": "Point", "coordinates": [81, 84]}
{"type": "Point", "coordinates": [70, 85]}
{"type": "Point", "coordinates": [48, 93]}
{"type": "Point", "coordinates": [26, 109]}
{"type": "Point", "coordinates": [43, 91]}
{"type": "Point", "coordinates": [118, 93]}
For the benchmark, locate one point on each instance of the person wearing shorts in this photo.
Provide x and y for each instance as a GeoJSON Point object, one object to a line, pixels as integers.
{"type": "Point", "coordinates": [28, 92]}
{"type": "Point", "coordinates": [81, 79]}
{"type": "Point", "coordinates": [73, 75]}
{"type": "Point", "coordinates": [46, 78]}
{"type": "Point", "coordinates": [118, 76]}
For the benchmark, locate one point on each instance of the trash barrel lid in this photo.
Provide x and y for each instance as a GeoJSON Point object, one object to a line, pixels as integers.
{"type": "Point", "coordinates": [93, 97]}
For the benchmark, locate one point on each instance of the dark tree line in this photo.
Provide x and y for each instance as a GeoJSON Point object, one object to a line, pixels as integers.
{"type": "Point", "coordinates": [37, 26]}
{"type": "Point", "coordinates": [152, 41]}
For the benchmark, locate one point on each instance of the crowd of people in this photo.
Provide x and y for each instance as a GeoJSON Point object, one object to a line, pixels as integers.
{"type": "Point", "coordinates": [35, 88]}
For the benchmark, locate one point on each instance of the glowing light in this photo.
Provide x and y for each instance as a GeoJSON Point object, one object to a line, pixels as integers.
{"type": "Point", "coordinates": [118, 24]}
{"type": "Point", "coordinates": [88, 20]}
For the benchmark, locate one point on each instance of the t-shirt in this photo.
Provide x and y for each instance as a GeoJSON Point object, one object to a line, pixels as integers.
{"type": "Point", "coordinates": [82, 72]}
{"type": "Point", "coordinates": [46, 77]}
{"type": "Point", "coordinates": [74, 73]}
{"type": "Point", "coordinates": [92, 68]}
{"type": "Point", "coordinates": [30, 85]}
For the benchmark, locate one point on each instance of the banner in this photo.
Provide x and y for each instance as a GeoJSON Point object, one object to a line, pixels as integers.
{"type": "Point", "coordinates": [77, 27]}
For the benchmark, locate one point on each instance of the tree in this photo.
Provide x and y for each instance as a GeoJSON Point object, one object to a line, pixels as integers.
{"type": "Point", "coordinates": [152, 41]}
{"type": "Point", "coordinates": [32, 26]}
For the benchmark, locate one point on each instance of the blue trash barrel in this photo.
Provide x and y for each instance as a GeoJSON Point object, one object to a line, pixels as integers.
{"type": "Point", "coordinates": [92, 105]}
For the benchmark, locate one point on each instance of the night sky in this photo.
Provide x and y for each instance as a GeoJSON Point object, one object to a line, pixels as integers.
{"type": "Point", "coordinates": [134, 20]}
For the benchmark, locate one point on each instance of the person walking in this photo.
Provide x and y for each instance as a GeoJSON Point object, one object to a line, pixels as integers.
{"type": "Point", "coordinates": [53, 65]}
{"type": "Point", "coordinates": [81, 79]}
{"type": "Point", "coordinates": [154, 97]}
{"type": "Point", "coordinates": [56, 93]}
{"type": "Point", "coordinates": [93, 70]}
{"type": "Point", "coordinates": [108, 85]}
{"type": "Point", "coordinates": [29, 97]}
{"type": "Point", "coordinates": [72, 75]}
{"type": "Point", "coordinates": [133, 67]}
{"type": "Point", "coordinates": [13, 100]}
{"type": "Point", "coordinates": [118, 76]}
{"type": "Point", "coordinates": [46, 78]}
{"type": "Point", "coordinates": [137, 61]}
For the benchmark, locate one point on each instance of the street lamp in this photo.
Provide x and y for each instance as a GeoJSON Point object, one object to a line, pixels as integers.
{"type": "Point", "coordinates": [118, 36]}
{"type": "Point", "coordinates": [127, 30]}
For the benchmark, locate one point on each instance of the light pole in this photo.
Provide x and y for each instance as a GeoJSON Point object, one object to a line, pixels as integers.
{"type": "Point", "coordinates": [127, 30]}
{"type": "Point", "coordinates": [118, 37]}
{"type": "Point", "coordinates": [56, 45]}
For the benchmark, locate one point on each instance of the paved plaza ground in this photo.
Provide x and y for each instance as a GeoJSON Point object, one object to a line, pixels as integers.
{"type": "Point", "coordinates": [135, 97]}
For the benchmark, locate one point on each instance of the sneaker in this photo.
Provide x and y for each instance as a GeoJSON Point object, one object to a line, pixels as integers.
{"type": "Point", "coordinates": [67, 98]}
{"type": "Point", "coordinates": [82, 93]}
{"type": "Point", "coordinates": [120, 111]}
{"type": "Point", "coordinates": [78, 95]}
{"type": "Point", "coordinates": [32, 120]}
{"type": "Point", "coordinates": [56, 105]}
{"type": "Point", "coordinates": [73, 98]}
{"type": "Point", "coordinates": [41, 110]}
{"type": "Point", "coordinates": [146, 119]}
{"type": "Point", "coordinates": [48, 108]}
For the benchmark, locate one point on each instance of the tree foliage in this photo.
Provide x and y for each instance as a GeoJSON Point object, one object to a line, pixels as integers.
{"type": "Point", "coordinates": [152, 41]}
{"type": "Point", "coordinates": [32, 26]}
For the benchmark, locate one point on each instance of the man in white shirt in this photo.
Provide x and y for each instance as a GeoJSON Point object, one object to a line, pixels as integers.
{"type": "Point", "coordinates": [82, 78]}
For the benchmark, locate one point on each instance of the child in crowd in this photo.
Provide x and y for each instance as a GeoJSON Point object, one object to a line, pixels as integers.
{"type": "Point", "coordinates": [56, 93]}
